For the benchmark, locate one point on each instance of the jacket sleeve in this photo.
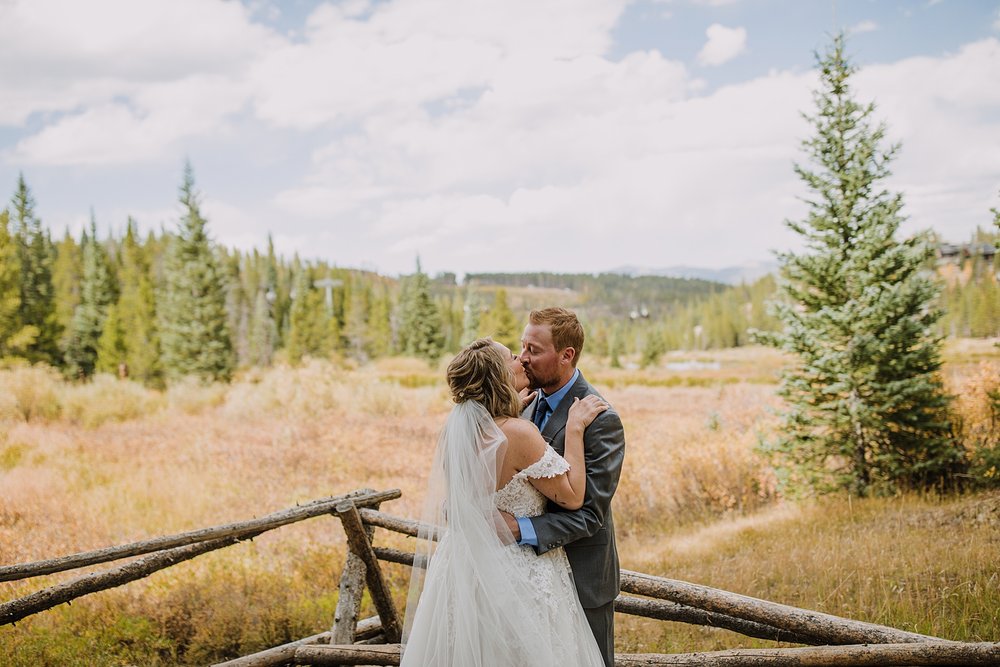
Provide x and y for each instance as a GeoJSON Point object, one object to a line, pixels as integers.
{"type": "Point", "coordinates": [604, 451]}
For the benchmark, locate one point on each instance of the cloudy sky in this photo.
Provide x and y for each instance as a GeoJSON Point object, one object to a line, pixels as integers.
{"type": "Point", "coordinates": [560, 135]}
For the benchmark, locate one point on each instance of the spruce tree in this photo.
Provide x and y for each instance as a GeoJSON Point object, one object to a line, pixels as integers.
{"type": "Point", "coordinates": [37, 294]}
{"type": "Point", "coordinates": [379, 324]}
{"type": "Point", "coordinates": [96, 294]}
{"type": "Point", "coordinates": [420, 332]}
{"type": "Point", "coordinates": [15, 337]}
{"type": "Point", "coordinates": [136, 311]}
{"type": "Point", "coordinates": [67, 276]}
{"type": "Point", "coordinates": [500, 323]}
{"type": "Point", "coordinates": [193, 320]}
{"type": "Point", "coordinates": [300, 339]}
{"type": "Point", "coordinates": [866, 410]}
{"type": "Point", "coordinates": [263, 332]}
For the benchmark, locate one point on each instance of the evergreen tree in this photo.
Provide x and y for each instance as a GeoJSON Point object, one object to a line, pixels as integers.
{"type": "Point", "coordinates": [420, 332]}
{"type": "Point", "coordinates": [312, 327]}
{"type": "Point", "coordinates": [37, 312]}
{"type": "Point", "coordinates": [111, 352]}
{"type": "Point", "coordinates": [15, 337]}
{"type": "Point", "coordinates": [136, 311]}
{"type": "Point", "coordinates": [193, 319]}
{"type": "Point", "coordinates": [500, 323]}
{"type": "Point", "coordinates": [67, 276]}
{"type": "Point", "coordinates": [263, 332]}
{"type": "Point", "coordinates": [866, 408]}
{"type": "Point", "coordinates": [379, 325]}
{"type": "Point", "coordinates": [96, 294]}
{"type": "Point", "coordinates": [652, 349]}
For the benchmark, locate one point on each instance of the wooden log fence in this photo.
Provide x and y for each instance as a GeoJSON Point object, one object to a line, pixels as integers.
{"type": "Point", "coordinates": [869, 655]}
{"type": "Point", "coordinates": [240, 530]}
{"type": "Point", "coordinates": [829, 640]}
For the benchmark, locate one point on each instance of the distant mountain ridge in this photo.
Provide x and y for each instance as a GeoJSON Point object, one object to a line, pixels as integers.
{"type": "Point", "coordinates": [730, 275]}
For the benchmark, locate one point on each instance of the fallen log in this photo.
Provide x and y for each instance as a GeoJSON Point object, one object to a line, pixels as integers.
{"type": "Point", "coordinates": [387, 654]}
{"type": "Point", "coordinates": [240, 530]}
{"type": "Point", "coordinates": [284, 654]}
{"type": "Point", "coordinates": [15, 610]}
{"type": "Point", "coordinates": [866, 655]}
{"type": "Point", "coordinates": [396, 524]}
{"type": "Point", "coordinates": [661, 610]}
{"type": "Point", "coordinates": [823, 628]}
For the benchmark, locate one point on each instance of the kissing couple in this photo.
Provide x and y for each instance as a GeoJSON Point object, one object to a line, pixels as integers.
{"type": "Point", "coordinates": [525, 570]}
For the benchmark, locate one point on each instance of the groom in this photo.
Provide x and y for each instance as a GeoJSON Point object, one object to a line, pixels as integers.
{"type": "Point", "coordinates": [550, 348]}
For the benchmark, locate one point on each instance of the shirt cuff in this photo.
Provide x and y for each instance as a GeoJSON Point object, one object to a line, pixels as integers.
{"type": "Point", "coordinates": [528, 535]}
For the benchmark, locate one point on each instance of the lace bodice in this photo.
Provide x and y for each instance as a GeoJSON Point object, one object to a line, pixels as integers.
{"type": "Point", "coordinates": [519, 497]}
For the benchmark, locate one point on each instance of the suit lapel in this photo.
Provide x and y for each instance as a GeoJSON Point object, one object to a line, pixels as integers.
{"type": "Point", "coordinates": [557, 420]}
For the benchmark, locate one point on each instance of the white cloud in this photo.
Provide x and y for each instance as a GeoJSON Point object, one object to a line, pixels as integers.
{"type": "Point", "coordinates": [479, 135]}
{"type": "Point", "coordinates": [723, 44]}
{"type": "Point", "coordinates": [863, 26]}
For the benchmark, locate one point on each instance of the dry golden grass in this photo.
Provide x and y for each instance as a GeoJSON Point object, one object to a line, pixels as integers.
{"type": "Point", "coordinates": [695, 503]}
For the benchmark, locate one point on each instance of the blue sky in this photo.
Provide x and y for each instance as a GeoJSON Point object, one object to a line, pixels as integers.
{"type": "Point", "coordinates": [561, 135]}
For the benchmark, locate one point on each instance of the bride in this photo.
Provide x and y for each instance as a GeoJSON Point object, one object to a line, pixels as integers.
{"type": "Point", "coordinates": [483, 600]}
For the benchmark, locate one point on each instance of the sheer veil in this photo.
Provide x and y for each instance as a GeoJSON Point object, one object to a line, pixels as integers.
{"type": "Point", "coordinates": [470, 606]}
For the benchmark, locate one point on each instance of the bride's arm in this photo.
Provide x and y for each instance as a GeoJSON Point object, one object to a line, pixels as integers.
{"type": "Point", "coordinates": [527, 446]}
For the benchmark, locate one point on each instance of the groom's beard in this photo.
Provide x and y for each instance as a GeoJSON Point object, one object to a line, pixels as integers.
{"type": "Point", "coordinates": [539, 382]}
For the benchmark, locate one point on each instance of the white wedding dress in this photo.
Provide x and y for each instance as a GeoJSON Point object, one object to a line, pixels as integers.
{"type": "Point", "coordinates": [485, 601]}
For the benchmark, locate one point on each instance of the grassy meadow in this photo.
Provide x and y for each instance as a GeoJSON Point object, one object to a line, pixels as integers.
{"type": "Point", "coordinates": [88, 466]}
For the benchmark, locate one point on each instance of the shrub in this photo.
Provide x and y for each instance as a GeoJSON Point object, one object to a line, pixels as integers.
{"type": "Point", "coordinates": [107, 398]}
{"type": "Point", "coordinates": [30, 393]}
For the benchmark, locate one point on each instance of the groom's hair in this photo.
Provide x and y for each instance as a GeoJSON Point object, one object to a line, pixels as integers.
{"type": "Point", "coordinates": [566, 329]}
{"type": "Point", "coordinates": [480, 372]}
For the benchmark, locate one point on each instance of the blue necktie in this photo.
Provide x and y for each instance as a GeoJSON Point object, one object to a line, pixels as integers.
{"type": "Point", "coordinates": [541, 411]}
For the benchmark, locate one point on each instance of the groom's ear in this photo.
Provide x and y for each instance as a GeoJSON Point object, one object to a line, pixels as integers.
{"type": "Point", "coordinates": [568, 354]}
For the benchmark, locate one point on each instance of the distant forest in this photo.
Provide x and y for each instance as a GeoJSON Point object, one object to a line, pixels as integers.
{"type": "Point", "coordinates": [175, 303]}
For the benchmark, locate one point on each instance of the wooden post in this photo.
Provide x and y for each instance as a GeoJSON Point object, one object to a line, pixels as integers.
{"type": "Point", "coordinates": [823, 628]}
{"type": "Point", "coordinates": [868, 655]}
{"type": "Point", "coordinates": [240, 530]}
{"type": "Point", "coordinates": [357, 539]}
{"type": "Point", "coordinates": [352, 586]}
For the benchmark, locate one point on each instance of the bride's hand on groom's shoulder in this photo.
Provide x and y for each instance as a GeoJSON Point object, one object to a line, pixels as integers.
{"type": "Point", "coordinates": [527, 396]}
{"type": "Point", "coordinates": [585, 411]}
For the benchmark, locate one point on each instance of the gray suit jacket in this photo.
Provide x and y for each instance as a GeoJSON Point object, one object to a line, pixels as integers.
{"type": "Point", "coordinates": [588, 534]}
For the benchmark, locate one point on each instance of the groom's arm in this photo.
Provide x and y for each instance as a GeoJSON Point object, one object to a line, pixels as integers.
{"type": "Point", "coordinates": [604, 446]}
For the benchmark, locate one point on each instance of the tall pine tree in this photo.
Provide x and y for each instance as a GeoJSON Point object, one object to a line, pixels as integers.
{"type": "Point", "coordinates": [34, 258]}
{"type": "Point", "coordinates": [97, 293]}
{"type": "Point", "coordinates": [866, 409]}
{"type": "Point", "coordinates": [15, 337]}
{"type": "Point", "coordinates": [500, 323]}
{"type": "Point", "coordinates": [136, 312]}
{"type": "Point", "coordinates": [420, 332]}
{"type": "Point", "coordinates": [193, 319]}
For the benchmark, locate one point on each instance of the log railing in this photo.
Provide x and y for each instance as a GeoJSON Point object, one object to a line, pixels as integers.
{"type": "Point", "coordinates": [829, 640]}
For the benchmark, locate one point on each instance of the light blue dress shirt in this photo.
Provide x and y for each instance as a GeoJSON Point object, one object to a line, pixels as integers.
{"type": "Point", "coordinates": [528, 535]}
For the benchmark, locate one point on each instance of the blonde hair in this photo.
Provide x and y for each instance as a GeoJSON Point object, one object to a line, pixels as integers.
{"type": "Point", "coordinates": [566, 328]}
{"type": "Point", "coordinates": [480, 373]}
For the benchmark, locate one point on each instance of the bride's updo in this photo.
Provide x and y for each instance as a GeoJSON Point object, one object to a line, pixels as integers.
{"type": "Point", "coordinates": [480, 372]}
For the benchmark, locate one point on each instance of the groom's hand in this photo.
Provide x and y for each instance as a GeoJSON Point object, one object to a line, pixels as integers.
{"type": "Point", "coordinates": [515, 529]}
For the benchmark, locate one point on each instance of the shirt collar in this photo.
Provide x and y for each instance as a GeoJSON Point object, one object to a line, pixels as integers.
{"type": "Point", "coordinates": [555, 397]}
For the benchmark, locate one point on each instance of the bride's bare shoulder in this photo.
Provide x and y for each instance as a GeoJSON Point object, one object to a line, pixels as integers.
{"type": "Point", "coordinates": [524, 441]}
